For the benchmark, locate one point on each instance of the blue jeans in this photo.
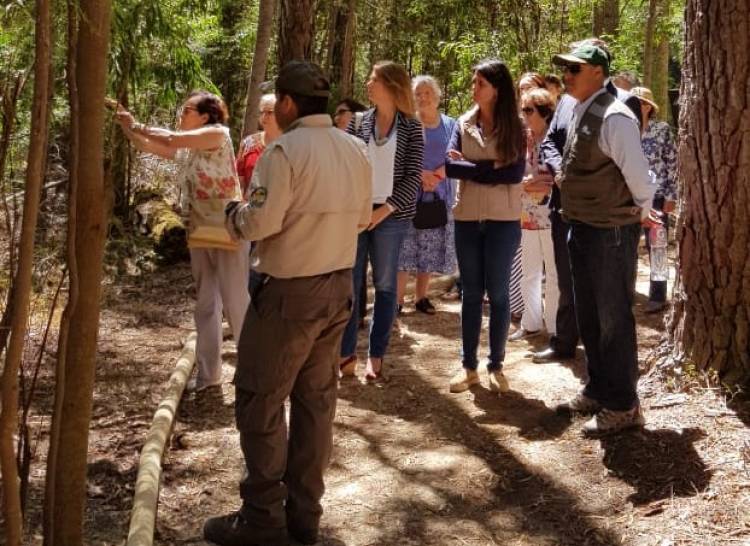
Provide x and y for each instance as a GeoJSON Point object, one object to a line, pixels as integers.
{"type": "Point", "coordinates": [603, 262]}
{"type": "Point", "coordinates": [382, 245]}
{"type": "Point", "coordinates": [485, 253]}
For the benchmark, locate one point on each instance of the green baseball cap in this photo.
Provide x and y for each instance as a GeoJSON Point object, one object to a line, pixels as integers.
{"type": "Point", "coordinates": [584, 54]}
{"type": "Point", "coordinates": [303, 78]}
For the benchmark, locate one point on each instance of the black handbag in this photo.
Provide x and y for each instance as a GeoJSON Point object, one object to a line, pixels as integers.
{"type": "Point", "coordinates": [430, 214]}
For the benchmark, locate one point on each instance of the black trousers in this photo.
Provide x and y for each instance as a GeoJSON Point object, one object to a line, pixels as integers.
{"type": "Point", "coordinates": [604, 262]}
{"type": "Point", "coordinates": [565, 340]}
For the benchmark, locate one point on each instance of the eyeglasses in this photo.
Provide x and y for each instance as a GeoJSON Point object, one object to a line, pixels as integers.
{"type": "Point", "coordinates": [185, 109]}
{"type": "Point", "coordinates": [571, 68]}
{"type": "Point", "coordinates": [528, 110]}
{"type": "Point", "coordinates": [340, 112]}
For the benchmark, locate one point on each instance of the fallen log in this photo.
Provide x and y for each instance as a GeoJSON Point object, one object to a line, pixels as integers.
{"type": "Point", "coordinates": [156, 219]}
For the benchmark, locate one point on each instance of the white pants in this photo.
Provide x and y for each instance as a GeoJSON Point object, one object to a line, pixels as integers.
{"type": "Point", "coordinates": [538, 262]}
{"type": "Point", "coordinates": [221, 278]}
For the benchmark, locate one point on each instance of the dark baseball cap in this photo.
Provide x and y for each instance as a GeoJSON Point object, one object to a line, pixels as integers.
{"type": "Point", "coordinates": [584, 54]}
{"type": "Point", "coordinates": [303, 78]}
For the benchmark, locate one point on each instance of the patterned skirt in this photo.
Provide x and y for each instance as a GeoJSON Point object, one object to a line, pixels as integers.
{"type": "Point", "coordinates": [429, 250]}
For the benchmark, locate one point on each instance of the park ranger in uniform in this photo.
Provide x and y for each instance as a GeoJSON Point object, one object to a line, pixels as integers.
{"type": "Point", "coordinates": [310, 196]}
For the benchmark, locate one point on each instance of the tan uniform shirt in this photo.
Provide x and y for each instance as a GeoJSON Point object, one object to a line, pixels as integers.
{"type": "Point", "coordinates": [310, 195]}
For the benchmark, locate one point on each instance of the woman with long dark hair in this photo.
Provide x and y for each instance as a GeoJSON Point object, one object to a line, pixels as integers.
{"type": "Point", "coordinates": [487, 156]}
{"type": "Point", "coordinates": [203, 149]}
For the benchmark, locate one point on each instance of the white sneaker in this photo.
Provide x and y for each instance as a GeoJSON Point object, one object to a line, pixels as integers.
{"type": "Point", "coordinates": [463, 380]}
{"type": "Point", "coordinates": [192, 386]}
{"type": "Point", "coordinates": [522, 333]}
{"type": "Point", "coordinates": [607, 421]}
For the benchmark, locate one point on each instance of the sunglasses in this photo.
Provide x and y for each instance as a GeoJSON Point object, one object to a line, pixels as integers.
{"type": "Point", "coordinates": [571, 68]}
{"type": "Point", "coordinates": [266, 112]}
{"type": "Point", "coordinates": [528, 110]}
{"type": "Point", "coordinates": [340, 112]}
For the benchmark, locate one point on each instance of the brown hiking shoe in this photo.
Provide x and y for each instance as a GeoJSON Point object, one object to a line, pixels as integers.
{"type": "Point", "coordinates": [463, 380]}
{"type": "Point", "coordinates": [607, 421]}
{"type": "Point", "coordinates": [498, 383]}
{"type": "Point", "coordinates": [580, 403]}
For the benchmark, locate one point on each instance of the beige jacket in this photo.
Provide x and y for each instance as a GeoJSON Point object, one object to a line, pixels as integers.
{"type": "Point", "coordinates": [479, 202]}
{"type": "Point", "coordinates": [309, 196]}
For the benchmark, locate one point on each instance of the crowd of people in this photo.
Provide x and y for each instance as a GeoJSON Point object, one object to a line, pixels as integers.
{"type": "Point", "coordinates": [542, 188]}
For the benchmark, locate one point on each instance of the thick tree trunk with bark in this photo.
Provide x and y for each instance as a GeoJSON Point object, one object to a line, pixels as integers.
{"type": "Point", "coordinates": [606, 17]}
{"type": "Point", "coordinates": [297, 27]}
{"type": "Point", "coordinates": [260, 61]}
{"type": "Point", "coordinates": [22, 280]}
{"type": "Point", "coordinates": [72, 420]}
{"type": "Point", "coordinates": [710, 325]}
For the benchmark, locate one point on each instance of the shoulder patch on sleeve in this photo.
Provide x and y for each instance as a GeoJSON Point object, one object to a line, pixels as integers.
{"type": "Point", "coordinates": [257, 197]}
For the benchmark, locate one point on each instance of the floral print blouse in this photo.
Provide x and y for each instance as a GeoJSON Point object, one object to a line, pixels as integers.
{"type": "Point", "coordinates": [209, 182]}
{"type": "Point", "coordinates": [661, 153]}
{"type": "Point", "coordinates": [535, 205]}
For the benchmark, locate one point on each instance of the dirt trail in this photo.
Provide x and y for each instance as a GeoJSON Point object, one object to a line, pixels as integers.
{"type": "Point", "coordinates": [416, 465]}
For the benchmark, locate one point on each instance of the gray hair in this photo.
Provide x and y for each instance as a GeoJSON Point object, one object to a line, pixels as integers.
{"type": "Point", "coordinates": [268, 99]}
{"type": "Point", "coordinates": [427, 80]}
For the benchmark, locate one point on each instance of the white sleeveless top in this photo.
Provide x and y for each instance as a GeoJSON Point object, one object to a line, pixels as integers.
{"type": "Point", "coordinates": [382, 159]}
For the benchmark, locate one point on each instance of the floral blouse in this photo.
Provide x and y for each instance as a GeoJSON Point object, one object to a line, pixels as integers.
{"type": "Point", "coordinates": [535, 205]}
{"type": "Point", "coordinates": [209, 182]}
{"type": "Point", "coordinates": [661, 153]}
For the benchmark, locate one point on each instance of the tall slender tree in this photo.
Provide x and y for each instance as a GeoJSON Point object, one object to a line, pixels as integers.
{"type": "Point", "coordinates": [67, 459]}
{"type": "Point", "coordinates": [22, 279]}
{"type": "Point", "coordinates": [710, 325]}
{"type": "Point", "coordinates": [260, 62]}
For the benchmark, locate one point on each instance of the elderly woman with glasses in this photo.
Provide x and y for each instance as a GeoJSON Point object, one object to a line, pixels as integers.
{"type": "Point", "coordinates": [203, 149]}
{"type": "Point", "coordinates": [538, 256]}
{"type": "Point", "coordinates": [430, 250]}
{"type": "Point", "coordinates": [251, 148]}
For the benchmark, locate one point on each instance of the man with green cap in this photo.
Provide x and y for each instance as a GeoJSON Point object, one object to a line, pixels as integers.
{"type": "Point", "coordinates": [309, 196]}
{"type": "Point", "coordinates": [606, 193]}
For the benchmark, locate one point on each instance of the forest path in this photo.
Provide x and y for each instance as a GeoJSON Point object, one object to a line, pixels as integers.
{"type": "Point", "coordinates": [416, 465]}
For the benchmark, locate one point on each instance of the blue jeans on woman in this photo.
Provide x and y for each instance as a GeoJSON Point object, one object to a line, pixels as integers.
{"type": "Point", "coordinates": [485, 253]}
{"type": "Point", "coordinates": [382, 245]}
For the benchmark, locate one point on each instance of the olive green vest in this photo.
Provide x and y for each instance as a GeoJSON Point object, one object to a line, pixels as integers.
{"type": "Point", "coordinates": [593, 189]}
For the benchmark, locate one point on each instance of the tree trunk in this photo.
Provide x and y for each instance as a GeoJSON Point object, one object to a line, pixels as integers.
{"type": "Point", "coordinates": [660, 78]}
{"type": "Point", "coordinates": [297, 27]}
{"type": "Point", "coordinates": [62, 344]}
{"type": "Point", "coordinates": [22, 282]}
{"type": "Point", "coordinates": [90, 230]}
{"type": "Point", "coordinates": [710, 325]}
{"type": "Point", "coordinates": [11, 94]}
{"type": "Point", "coordinates": [648, 43]}
{"type": "Point", "coordinates": [346, 77]}
{"type": "Point", "coordinates": [606, 17]}
{"type": "Point", "coordinates": [260, 61]}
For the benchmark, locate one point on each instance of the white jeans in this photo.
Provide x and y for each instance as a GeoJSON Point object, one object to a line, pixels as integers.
{"type": "Point", "coordinates": [221, 282]}
{"type": "Point", "coordinates": [538, 262]}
